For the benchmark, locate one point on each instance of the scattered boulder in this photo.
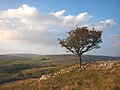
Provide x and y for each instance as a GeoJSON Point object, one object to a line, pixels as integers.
{"type": "Point", "coordinates": [45, 76]}
{"type": "Point", "coordinates": [86, 66]}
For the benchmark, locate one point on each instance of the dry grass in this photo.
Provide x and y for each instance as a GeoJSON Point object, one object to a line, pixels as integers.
{"type": "Point", "coordinates": [83, 80]}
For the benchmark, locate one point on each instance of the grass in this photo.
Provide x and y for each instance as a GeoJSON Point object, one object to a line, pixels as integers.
{"type": "Point", "coordinates": [43, 70]}
{"type": "Point", "coordinates": [95, 79]}
{"type": "Point", "coordinates": [34, 67]}
{"type": "Point", "coordinates": [19, 85]}
{"type": "Point", "coordinates": [84, 80]}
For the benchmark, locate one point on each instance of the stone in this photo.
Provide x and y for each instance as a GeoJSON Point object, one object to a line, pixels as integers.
{"type": "Point", "coordinates": [44, 77]}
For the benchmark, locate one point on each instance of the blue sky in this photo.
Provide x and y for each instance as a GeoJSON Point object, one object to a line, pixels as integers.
{"type": "Point", "coordinates": [33, 26]}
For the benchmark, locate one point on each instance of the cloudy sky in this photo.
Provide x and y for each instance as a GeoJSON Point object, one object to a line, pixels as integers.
{"type": "Point", "coordinates": [34, 26]}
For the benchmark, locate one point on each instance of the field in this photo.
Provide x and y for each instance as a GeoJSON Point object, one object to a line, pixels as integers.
{"type": "Point", "coordinates": [23, 73]}
{"type": "Point", "coordinates": [15, 67]}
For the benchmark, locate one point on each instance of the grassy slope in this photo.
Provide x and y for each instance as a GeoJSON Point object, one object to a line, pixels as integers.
{"type": "Point", "coordinates": [101, 79]}
{"type": "Point", "coordinates": [11, 65]}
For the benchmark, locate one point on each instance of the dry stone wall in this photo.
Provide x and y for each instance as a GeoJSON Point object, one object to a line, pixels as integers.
{"type": "Point", "coordinates": [85, 66]}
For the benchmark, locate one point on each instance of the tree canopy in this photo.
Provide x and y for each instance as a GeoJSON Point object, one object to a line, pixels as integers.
{"type": "Point", "coordinates": [81, 40]}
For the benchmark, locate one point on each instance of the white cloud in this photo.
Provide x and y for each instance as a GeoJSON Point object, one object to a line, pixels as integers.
{"type": "Point", "coordinates": [101, 25]}
{"type": "Point", "coordinates": [59, 13]}
{"type": "Point", "coordinates": [23, 11]}
{"type": "Point", "coordinates": [30, 25]}
{"type": "Point", "coordinates": [82, 18]}
{"type": "Point", "coordinates": [27, 24]}
{"type": "Point", "coordinates": [70, 21]}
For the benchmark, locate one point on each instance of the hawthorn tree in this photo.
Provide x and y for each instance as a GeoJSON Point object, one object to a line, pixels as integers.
{"type": "Point", "coordinates": [81, 40]}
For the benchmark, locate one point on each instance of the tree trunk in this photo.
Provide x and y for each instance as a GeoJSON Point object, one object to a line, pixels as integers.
{"type": "Point", "coordinates": [79, 61]}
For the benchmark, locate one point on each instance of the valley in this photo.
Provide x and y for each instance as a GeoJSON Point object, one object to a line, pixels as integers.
{"type": "Point", "coordinates": [19, 68]}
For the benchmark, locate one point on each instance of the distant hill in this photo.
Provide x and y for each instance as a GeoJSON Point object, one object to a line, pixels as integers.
{"type": "Point", "coordinates": [11, 58]}
{"type": "Point", "coordinates": [70, 57]}
{"type": "Point", "coordinates": [25, 55]}
{"type": "Point", "coordinates": [60, 57]}
{"type": "Point", "coordinates": [97, 57]}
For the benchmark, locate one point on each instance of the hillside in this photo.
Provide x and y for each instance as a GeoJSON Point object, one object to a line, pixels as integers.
{"type": "Point", "coordinates": [97, 75]}
{"type": "Point", "coordinates": [55, 57]}
{"type": "Point", "coordinates": [11, 58]}
{"type": "Point", "coordinates": [71, 57]}
{"type": "Point", "coordinates": [13, 64]}
{"type": "Point", "coordinates": [25, 55]}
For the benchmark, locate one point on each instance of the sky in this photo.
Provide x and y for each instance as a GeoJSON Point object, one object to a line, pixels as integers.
{"type": "Point", "coordinates": [34, 26]}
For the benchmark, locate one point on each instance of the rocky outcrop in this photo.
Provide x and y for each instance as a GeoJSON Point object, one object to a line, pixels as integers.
{"type": "Point", "coordinates": [44, 77]}
{"type": "Point", "coordinates": [97, 65]}
{"type": "Point", "coordinates": [85, 66]}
